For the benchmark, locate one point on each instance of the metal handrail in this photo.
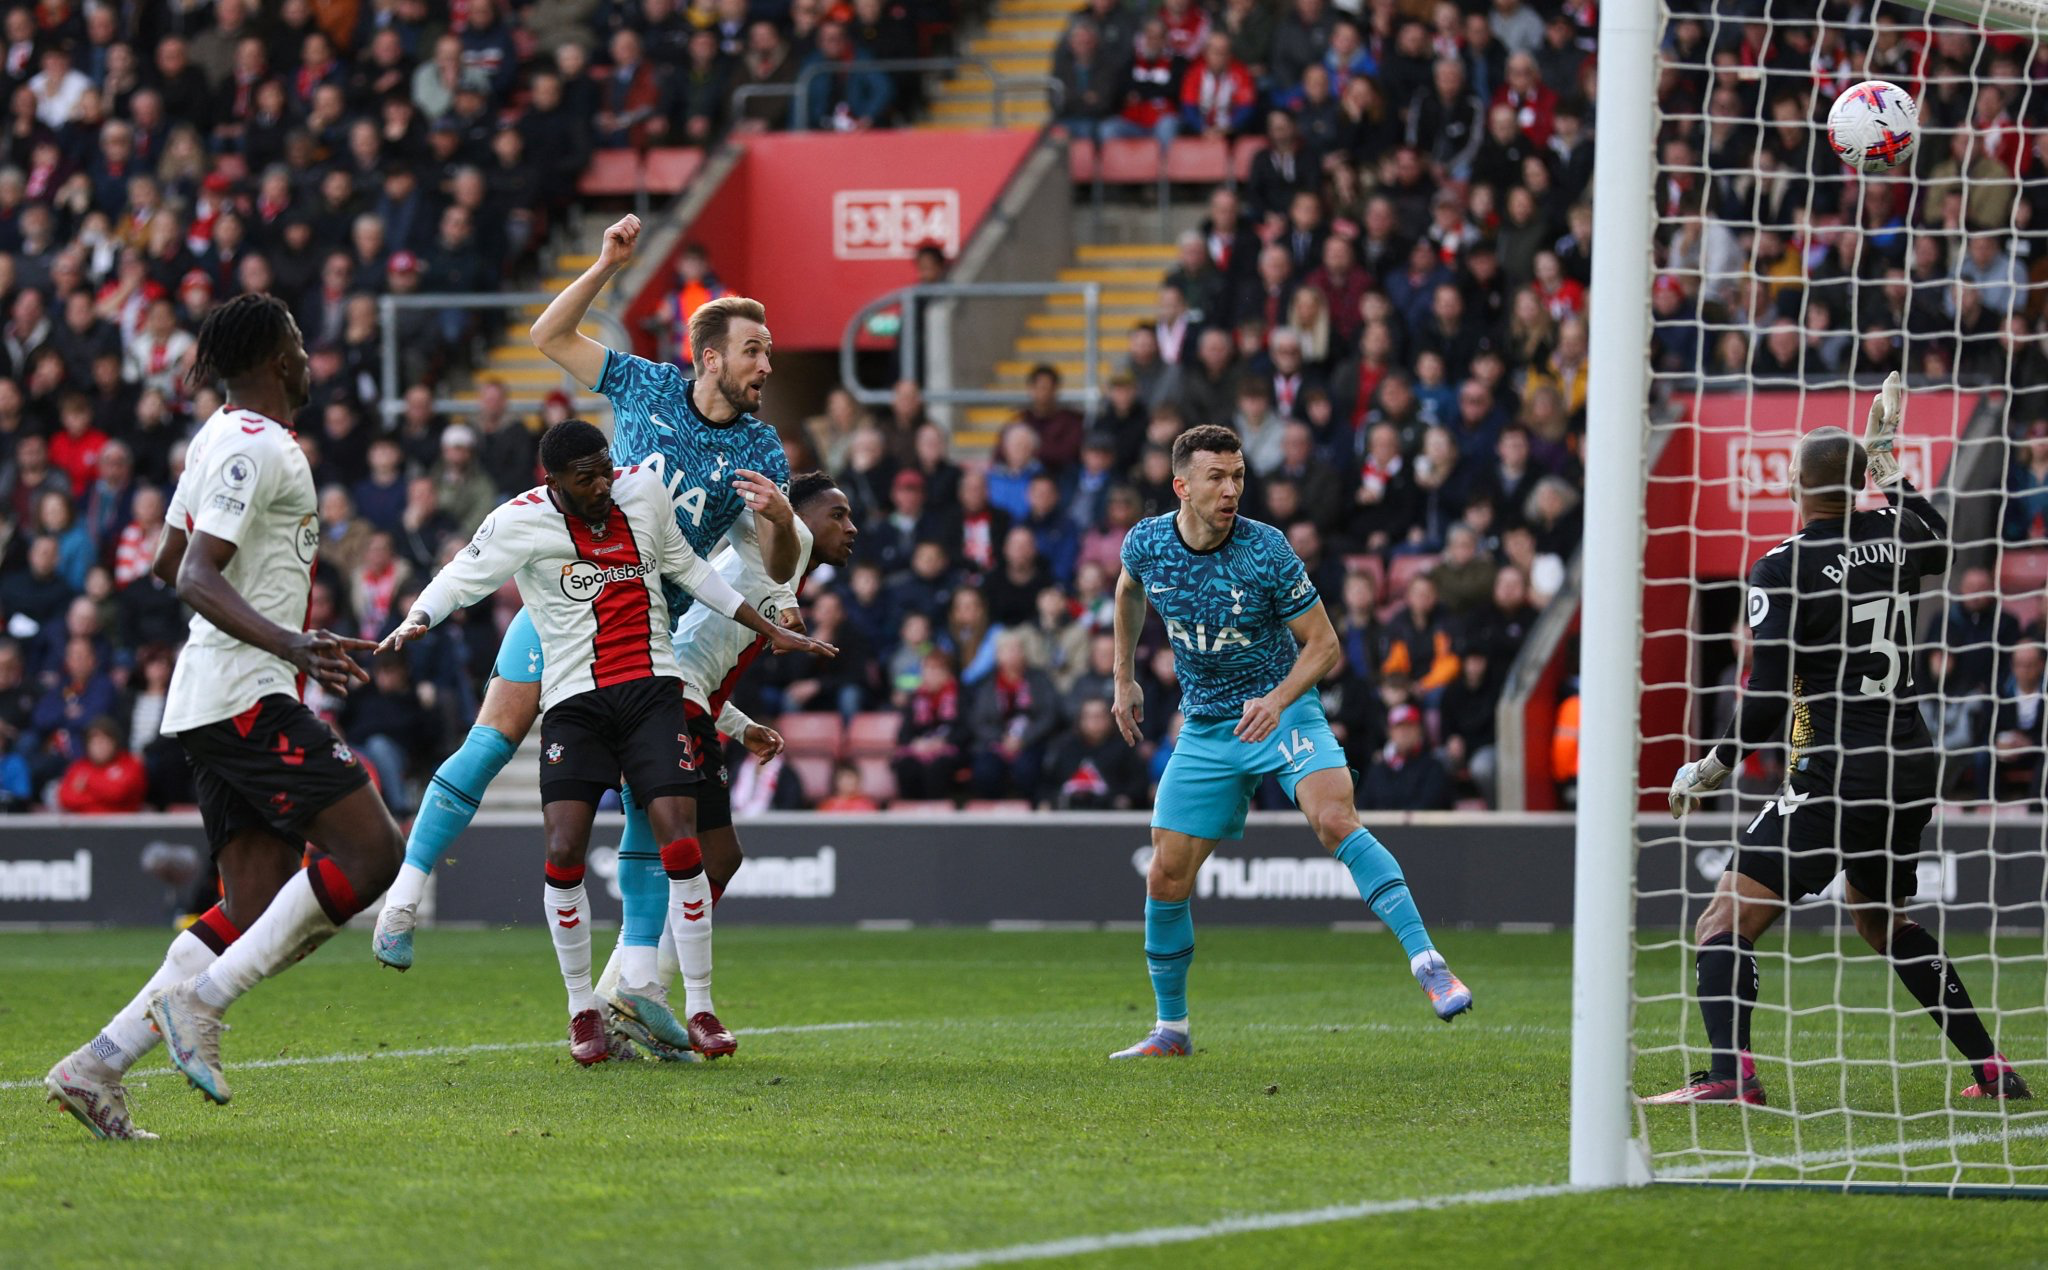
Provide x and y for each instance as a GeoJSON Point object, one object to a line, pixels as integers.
{"type": "Point", "coordinates": [798, 90]}
{"type": "Point", "coordinates": [1089, 395]}
{"type": "Point", "coordinates": [392, 404]}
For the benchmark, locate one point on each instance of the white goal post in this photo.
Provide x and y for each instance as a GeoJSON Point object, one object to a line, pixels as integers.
{"type": "Point", "coordinates": [1832, 274]}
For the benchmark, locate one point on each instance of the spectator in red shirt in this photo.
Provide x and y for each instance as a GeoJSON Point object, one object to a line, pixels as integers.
{"type": "Point", "coordinates": [1151, 91]}
{"type": "Point", "coordinates": [1187, 29]}
{"type": "Point", "coordinates": [136, 547]}
{"type": "Point", "coordinates": [1533, 101]}
{"type": "Point", "coordinates": [1217, 97]}
{"type": "Point", "coordinates": [75, 450]}
{"type": "Point", "coordinates": [107, 780]}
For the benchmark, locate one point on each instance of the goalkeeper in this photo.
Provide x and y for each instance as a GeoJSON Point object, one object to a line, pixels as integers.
{"type": "Point", "coordinates": [1830, 613]}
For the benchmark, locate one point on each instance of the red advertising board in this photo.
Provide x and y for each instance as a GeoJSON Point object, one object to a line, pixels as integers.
{"type": "Point", "coordinates": [814, 225]}
{"type": "Point", "coordinates": [1718, 498]}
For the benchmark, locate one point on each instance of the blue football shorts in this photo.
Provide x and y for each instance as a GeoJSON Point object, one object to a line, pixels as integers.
{"type": "Point", "coordinates": [1212, 775]}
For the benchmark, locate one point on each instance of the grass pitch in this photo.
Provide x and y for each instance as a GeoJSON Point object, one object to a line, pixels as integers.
{"type": "Point", "coordinates": [904, 1094]}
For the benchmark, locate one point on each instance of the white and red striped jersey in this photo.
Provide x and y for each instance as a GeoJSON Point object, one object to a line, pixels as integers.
{"type": "Point", "coordinates": [593, 591]}
{"type": "Point", "coordinates": [246, 482]}
{"type": "Point", "coordinates": [715, 651]}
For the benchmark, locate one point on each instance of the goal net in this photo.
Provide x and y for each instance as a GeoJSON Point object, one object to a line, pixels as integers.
{"type": "Point", "coordinates": [1773, 288]}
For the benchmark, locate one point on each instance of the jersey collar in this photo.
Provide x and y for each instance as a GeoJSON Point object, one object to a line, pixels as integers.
{"type": "Point", "coordinates": [690, 405]}
{"type": "Point", "coordinates": [1196, 551]}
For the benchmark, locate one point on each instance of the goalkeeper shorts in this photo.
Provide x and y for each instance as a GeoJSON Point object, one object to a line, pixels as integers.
{"type": "Point", "coordinates": [1799, 842]}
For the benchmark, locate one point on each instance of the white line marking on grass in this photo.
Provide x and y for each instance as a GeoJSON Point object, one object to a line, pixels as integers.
{"type": "Point", "coordinates": [1159, 1236]}
{"type": "Point", "coordinates": [1082, 1245]}
{"type": "Point", "coordinates": [451, 1051]}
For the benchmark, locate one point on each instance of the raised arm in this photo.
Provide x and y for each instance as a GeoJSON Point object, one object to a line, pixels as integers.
{"type": "Point", "coordinates": [554, 331]}
{"type": "Point", "coordinates": [1129, 706]}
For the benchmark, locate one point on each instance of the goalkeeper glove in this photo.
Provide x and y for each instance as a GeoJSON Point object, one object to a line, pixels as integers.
{"type": "Point", "coordinates": [1694, 779]}
{"type": "Point", "coordinates": [1881, 434]}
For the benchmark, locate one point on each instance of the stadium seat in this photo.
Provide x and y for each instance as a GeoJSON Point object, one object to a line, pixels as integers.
{"type": "Point", "coordinates": [2023, 571]}
{"type": "Point", "coordinates": [1080, 161]}
{"type": "Point", "coordinates": [877, 779]}
{"type": "Point", "coordinates": [1403, 571]}
{"type": "Point", "coordinates": [617, 173]}
{"type": "Point", "coordinates": [1128, 162]}
{"type": "Point", "coordinates": [670, 169]}
{"type": "Point", "coordinates": [1367, 563]}
{"type": "Point", "coordinates": [812, 735]}
{"type": "Point", "coordinates": [872, 735]}
{"type": "Point", "coordinates": [1008, 806]}
{"type": "Point", "coordinates": [1198, 161]}
{"type": "Point", "coordinates": [815, 774]}
{"type": "Point", "coordinates": [927, 806]}
{"type": "Point", "coordinates": [1241, 156]}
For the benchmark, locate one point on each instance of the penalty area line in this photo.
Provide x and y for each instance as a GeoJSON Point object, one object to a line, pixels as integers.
{"type": "Point", "coordinates": [1160, 1236]}
{"type": "Point", "coordinates": [446, 1051]}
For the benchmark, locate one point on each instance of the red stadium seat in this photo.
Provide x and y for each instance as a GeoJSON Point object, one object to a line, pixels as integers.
{"type": "Point", "coordinates": [813, 736]}
{"type": "Point", "coordinates": [927, 806]}
{"type": "Point", "coordinates": [1368, 563]}
{"type": "Point", "coordinates": [611, 174]}
{"type": "Point", "coordinates": [1129, 162]}
{"type": "Point", "coordinates": [670, 169]}
{"type": "Point", "coordinates": [1403, 571]}
{"type": "Point", "coordinates": [872, 735]}
{"type": "Point", "coordinates": [877, 779]}
{"type": "Point", "coordinates": [1006, 805]}
{"type": "Point", "coordinates": [1241, 156]}
{"type": "Point", "coordinates": [2023, 571]}
{"type": "Point", "coordinates": [1080, 161]}
{"type": "Point", "coordinates": [1198, 161]}
{"type": "Point", "coordinates": [815, 774]}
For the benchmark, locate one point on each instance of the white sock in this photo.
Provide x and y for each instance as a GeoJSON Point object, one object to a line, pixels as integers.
{"type": "Point", "coordinates": [637, 965]}
{"type": "Point", "coordinates": [569, 924]}
{"type": "Point", "coordinates": [608, 982]}
{"type": "Point", "coordinates": [1179, 1026]}
{"type": "Point", "coordinates": [689, 922]}
{"type": "Point", "coordinates": [667, 965]}
{"type": "Point", "coordinates": [1428, 959]}
{"type": "Point", "coordinates": [128, 1035]}
{"type": "Point", "coordinates": [409, 887]}
{"type": "Point", "coordinates": [293, 926]}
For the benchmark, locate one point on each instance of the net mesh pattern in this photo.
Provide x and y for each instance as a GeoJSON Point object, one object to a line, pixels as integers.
{"type": "Point", "coordinates": [1786, 287]}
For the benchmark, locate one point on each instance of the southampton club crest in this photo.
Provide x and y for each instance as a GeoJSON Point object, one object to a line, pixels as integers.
{"type": "Point", "coordinates": [554, 752]}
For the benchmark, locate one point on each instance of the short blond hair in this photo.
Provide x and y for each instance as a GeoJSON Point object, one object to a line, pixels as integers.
{"type": "Point", "coordinates": [713, 320]}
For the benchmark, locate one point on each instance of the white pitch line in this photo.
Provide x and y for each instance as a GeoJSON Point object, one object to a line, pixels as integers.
{"type": "Point", "coordinates": [448, 1051]}
{"type": "Point", "coordinates": [1160, 1236]}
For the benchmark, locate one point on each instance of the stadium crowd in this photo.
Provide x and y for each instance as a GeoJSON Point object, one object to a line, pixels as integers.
{"type": "Point", "coordinates": [1390, 311]}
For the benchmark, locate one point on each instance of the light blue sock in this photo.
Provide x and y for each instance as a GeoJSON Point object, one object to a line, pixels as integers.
{"type": "Point", "coordinates": [1384, 889]}
{"type": "Point", "coordinates": [454, 795]}
{"type": "Point", "coordinates": [1169, 948]}
{"type": "Point", "coordinates": [643, 886]}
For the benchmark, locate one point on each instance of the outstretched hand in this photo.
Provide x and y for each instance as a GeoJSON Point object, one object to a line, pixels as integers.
{"type": "Point", "coordinates": [1881, 432]}
{"type": "Point", "coordinates": [324, 656]}
{"type": "Point", "coordinates": [414, 626]}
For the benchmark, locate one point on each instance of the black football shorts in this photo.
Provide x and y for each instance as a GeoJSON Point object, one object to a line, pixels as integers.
{"type": "Point", "coordinates": [636, 732]}
{"type": "Point", "coordinates": [1800, 841]}
{"type": "Point", "coordinates": [274, 766]}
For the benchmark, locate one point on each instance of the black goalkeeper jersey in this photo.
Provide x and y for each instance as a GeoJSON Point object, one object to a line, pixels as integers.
{"type": "Point", "coordinates": [1831, 620]}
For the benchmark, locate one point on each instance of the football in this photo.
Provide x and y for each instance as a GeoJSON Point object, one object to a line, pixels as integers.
{"type": "Point", "coordinates": [1874, 126]}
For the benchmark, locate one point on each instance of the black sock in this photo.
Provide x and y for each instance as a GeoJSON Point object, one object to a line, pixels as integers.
{"type": "Point", "coordinates": [1727, 987]}
{"type": "Point", "coordinates": [1933, 981]}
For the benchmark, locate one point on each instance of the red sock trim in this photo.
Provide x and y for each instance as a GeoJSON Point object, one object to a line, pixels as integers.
{"type": "Point", "coordinates": [682, 856]}
{"type": "Point", "coordinates": [213, 929]}
{"type": "Point", "coordinates": [564, 878]}
{"type": "Point", "coordinates": [331, 887]}
{"type": "Point", "coordinates": [716, 891]}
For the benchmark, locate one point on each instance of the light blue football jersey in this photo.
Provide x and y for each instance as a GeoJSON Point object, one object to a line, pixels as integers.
{"type": "Point", "coordinates": [654, 423]}
{"type": "Point", "coordinates": [1226, 609]}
